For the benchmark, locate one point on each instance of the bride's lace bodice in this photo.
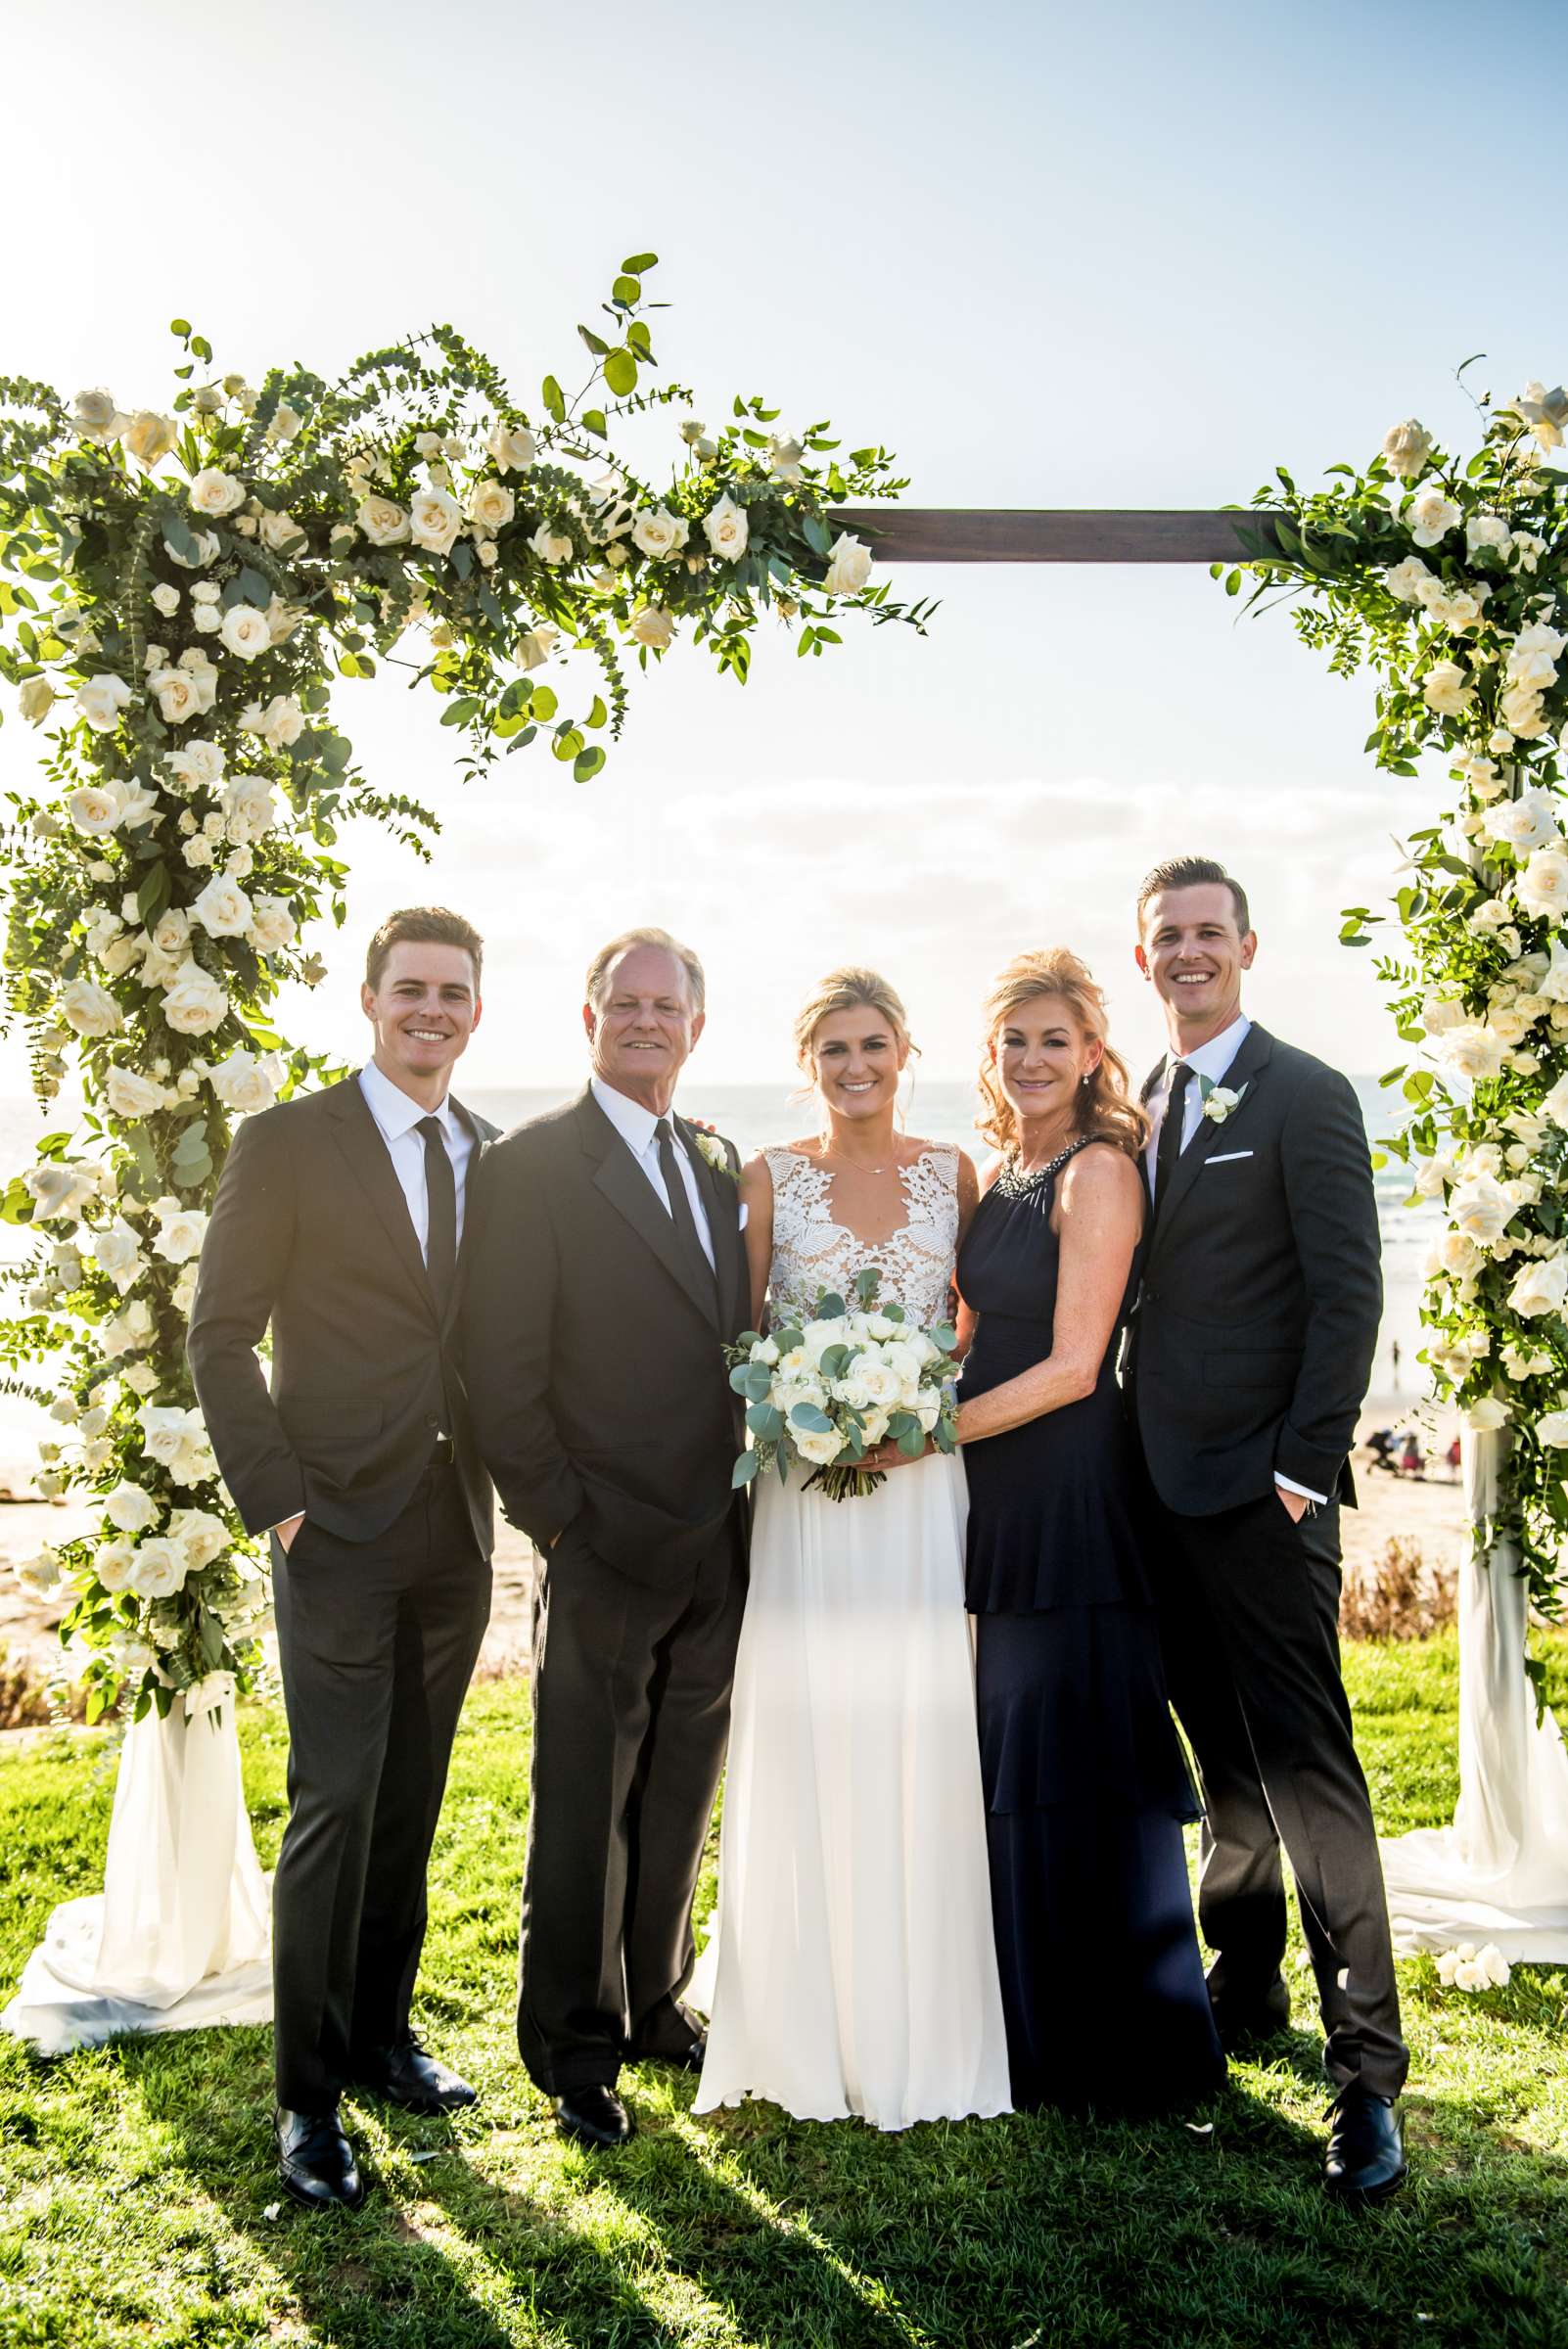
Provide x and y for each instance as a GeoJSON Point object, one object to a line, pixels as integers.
{"type": "Point", "coordinates": [811, 1252]}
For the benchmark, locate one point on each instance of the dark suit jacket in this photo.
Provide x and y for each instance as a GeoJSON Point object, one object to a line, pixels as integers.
{"type": "Point", "coordinates": [593, 1358]}
{"type": "Point", "coordinates": [310, 1233]}
{"type": "Point", "coordinates": [1263, 1290]}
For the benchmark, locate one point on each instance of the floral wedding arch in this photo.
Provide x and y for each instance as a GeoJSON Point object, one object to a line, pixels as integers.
{"type": "Point", "coordinates": [177, 595]}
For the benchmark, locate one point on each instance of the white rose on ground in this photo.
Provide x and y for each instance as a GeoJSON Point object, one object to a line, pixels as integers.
{"type": "Point", "coordinates": [1527, 822]}
{"type": "Point", "coordinates": [1481, 1208]}
{"type": "Point", "coordinates": [158, 1569]}
{"type": "Point", "coordinates": [653, 626]}
{"type": "Point", "coordinates": [100, 701]}
{"type": "Point", "coordinates": [91, 1010]}
{"type": "Point", "coordinates": [1542, 889]}
{"type": "Point", "coordinates": [95, 415]}
{"type": "Point", "coordinates": [35, 698]}
{"type": "Point", "coordinates": [245, 632]}
{"type": "Point", "coordinates": [243, 1082]}
{"type": "Point", "coordinates": [272, 925]}
{"type": "Point", "coordinates": [94, 808]}
{"type": "Point", "coordinates": [551, 547]}
{"type": "Point", "coordinates": [535, 648]}
{"type": "Point", "coordinates": [1431, 516]}
{"type": "Point", "coordinates": [1540, 1287]}
{"type": "Point", "coordinates": [435, 519]}
{"type": "Point", "coordinates": [1447, 689]}
{"type": "Point", "coordinates": [848, 568]}
{"type": "Point", "coordinates": [1406, 579]}
{"type": "Point", "coordinates": [223, 909]}
{"type": "Point", "coordinates": [382, 521]}
{"type": "Point", "coordinates": [512, 446]}
{"type": "Point", "coordinates": [129, 1508]}
{"type": "Point", "coordinates": [659, 534]}
{"type": "Point", "coordinates": [117, 1249]}
{"type": "Point", "coordinates": [490, 504]}
{"type": "Point", "coordinates": [1406, 448]}
{"type": "Point", "coordinates": [149, 437]}
{"type": "Point", "coordinates": [727, 530]}
{"type": "Point", "coordinates": [193, 1003]}
{"type": "Point", "coordinates": [130, 1096]}
{"type": "Point", "coordinates": [215, 492]}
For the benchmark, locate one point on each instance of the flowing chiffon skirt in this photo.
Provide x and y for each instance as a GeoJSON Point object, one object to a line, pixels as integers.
{"type": "Point", "coordinates": [852, 1967]}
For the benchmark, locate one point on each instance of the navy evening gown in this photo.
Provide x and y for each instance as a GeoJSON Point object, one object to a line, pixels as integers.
{"type": "Point", "coordinates": [1085, 1784]}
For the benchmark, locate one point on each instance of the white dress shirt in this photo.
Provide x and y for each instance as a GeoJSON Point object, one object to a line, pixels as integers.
{"type": "Point", "coordinates": [1212, 1060]}
{"type": "Point", "coordinates": [639, 1129]}
{"type": "Point", "coordinates": [397, 1118]}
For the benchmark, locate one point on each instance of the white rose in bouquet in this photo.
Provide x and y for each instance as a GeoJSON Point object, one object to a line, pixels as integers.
{"type": "Point", "coordinates": [215, 493]}
{"type": "Point", "coordinates": [193, 1003]}
{"type": "Point", "coordinates": [273, 927]}
{"type": "Point", "coordinates": [382, 521]}
{"type": "Point", "coordinates": [512, 447]}
{"type": "Point", "coordinates": [659, 534]}
{"type": "Point", "coordinates": [178, 693]}
{"type": "Point", "coordinates": [159, 1568]}
{"type": "Point", "coordinates": [1534, 654]}
{"type": "Point", "coordinates": [435, 519]}
{"type": "Point", "coordinates": [245, 632]}
{"type": "Point", "coordinates": [129, 1509]}
{"type": "Point", "coordinates": [100, 701]}
{"type": "Point", "coordinates": [727, 530]}
{"type": "Point", "coordinates": [249, 809]}
{"type": "Point", "coordinates": [848, 566]}
{"type": "Point", "coordinates": [280, 723]}
{"type": "Point", "coordinates": [1540, 1287]}
{"type": "Point", "coordinates": [197, 766]}
{"type": "Point", "coordinates": [223, 909]}
{"type": "Point", "coordinates": [490, 504]}
{"type": "Point", "coordinates": [95, 810]}
{"type": "Point", "coordinates": [279, 531]}
{"type": "Point", "coordinates": [90, 1009]}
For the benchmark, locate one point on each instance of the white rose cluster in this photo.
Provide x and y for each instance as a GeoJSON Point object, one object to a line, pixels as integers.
{"type": "Point", "coordinates": [829, 1388]}
{"type": "Point", "coordinates": [1470, 1968]}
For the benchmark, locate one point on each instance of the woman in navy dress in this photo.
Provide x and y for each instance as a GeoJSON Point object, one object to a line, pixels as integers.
{"type": "Point", "coordinates": [1085, 1785]}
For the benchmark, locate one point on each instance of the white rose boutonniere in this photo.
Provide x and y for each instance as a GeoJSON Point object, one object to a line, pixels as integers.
{"type": "Point", "coordinates": [715, 1149]}
{"type": "Point", "coordinates": [1218, 1101]}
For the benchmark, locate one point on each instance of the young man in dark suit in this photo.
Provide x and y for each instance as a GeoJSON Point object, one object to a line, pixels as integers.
{"type": "Point", "coordinates": [608, 1273]}
{"type": "Point", "coordinates": [1252, 1346]}
{"type": "Point", "coordinates": [339, 1224]}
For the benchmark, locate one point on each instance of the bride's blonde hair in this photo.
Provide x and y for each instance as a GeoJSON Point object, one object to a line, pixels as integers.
{"type": "Point", "coordinates": [1105, 1106]}
{"type": "Point", "coordinates": [844, 989]}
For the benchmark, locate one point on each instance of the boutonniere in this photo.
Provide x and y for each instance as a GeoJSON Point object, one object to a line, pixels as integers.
{"type": "Point", "coordinates": [1218, 1101]}
{"type": "Point", "coordinates": [717, 1155]}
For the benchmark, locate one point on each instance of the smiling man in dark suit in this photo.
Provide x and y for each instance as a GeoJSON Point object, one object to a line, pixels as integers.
{"type": "Point", "coordinates": [339, 1222]}
{"type": "Point", "coordinates": [608, 1272]}
{"type": "Point", "coordinates": [1252, 1344]}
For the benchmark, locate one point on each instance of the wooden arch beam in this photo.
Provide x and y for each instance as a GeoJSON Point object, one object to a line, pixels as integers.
{"type": "Point", "coordinates": [1022, 535]}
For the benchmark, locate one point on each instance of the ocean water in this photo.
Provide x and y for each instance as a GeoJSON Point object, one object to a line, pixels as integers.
{"type": "Point", "coordinates": [752, 1115]}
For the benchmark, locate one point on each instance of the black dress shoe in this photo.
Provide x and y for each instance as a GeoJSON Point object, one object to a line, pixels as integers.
{"type": "Point", "coordinates": [594, 2115]}
{"type": "Point", "coordinates": [408, 2076]}
{"type": "Point", "coordinates": [1245, 2024]}
{"type": "Point", "coordinates": [1365, 2151]}
{"type": "Point", "coordinates": [315, 2160]}
{"type": "Point", "coordinates": [688, 2059]}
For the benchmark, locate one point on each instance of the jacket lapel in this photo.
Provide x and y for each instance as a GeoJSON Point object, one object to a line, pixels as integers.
{"type": "Point", "coordinates": [359, 1139]}
{"type": "Point", "coordinates": [484, 1134]}
{"type": "Point", "coordinates": [722, 1195]}
{"type": "Point", "coordinates": [628, 1189]}
{"type": "Point", "coordinates": [1256, 1051]}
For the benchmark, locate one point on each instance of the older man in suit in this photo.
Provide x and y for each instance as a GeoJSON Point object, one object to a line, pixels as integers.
{"type": "Point", "coordinates": [339, 1224]}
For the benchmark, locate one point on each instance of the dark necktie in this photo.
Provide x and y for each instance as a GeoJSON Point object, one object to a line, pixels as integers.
{"type": "Point", "coordinates": [681, 1207]}
{"type": "Point", "coordinates": [441, 1207]}
{"type": "Point", "coordinates": [1168, 1149]}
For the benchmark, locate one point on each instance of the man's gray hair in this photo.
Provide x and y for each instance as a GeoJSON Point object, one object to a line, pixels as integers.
{"type": "Point", "coordinates": [605, 960]}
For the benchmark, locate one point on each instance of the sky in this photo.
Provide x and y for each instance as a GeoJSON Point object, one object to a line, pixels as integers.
{"type": "Point", "coordinates": [1051, 259]}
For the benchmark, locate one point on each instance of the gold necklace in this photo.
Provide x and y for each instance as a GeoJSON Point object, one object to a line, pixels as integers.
{"type": "Point", "coordinates": [833, 1151]}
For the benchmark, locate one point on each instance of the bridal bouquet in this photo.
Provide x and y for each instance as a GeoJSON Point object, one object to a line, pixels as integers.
{"type": "Point", "coordinates": [825, 1391]}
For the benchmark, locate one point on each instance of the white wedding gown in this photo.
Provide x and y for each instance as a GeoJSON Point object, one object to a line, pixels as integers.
{"type": "Point", "coordinates": [852, 1968]}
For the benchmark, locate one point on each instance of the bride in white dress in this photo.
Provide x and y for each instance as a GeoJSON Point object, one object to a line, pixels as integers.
{"type": "Point", "coordinates": [851, 1968]}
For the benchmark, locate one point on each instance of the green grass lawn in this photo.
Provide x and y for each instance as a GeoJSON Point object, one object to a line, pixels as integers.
{"type": "Point", "coordinates": [136, 2180]}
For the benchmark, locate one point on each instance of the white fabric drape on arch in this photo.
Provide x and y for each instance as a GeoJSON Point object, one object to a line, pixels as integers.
{"type": "Point", "coordinates": [1500, 1873]}
{"type": "Point", "coordinates": [178, 1938]}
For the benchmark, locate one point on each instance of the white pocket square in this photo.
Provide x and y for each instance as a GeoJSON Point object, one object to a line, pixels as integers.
{"type": "Point", "coordinates": [1227, 1157]}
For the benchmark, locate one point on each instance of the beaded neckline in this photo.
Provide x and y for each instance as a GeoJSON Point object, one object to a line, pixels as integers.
{"type": "Point", "coordinates": [1013, 1183]}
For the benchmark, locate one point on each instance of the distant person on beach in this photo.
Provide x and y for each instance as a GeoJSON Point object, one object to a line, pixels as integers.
{"type": "Point", "coordinates": [1252, 1346]}
{"type": "Point", "coordinates": [338, 1224]}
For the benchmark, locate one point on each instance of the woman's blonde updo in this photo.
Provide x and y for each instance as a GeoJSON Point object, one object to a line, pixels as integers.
{"type": "Point", "coordinates": [843, 991]}
{"type": "Point", "coordinates": [1105, 1107]}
